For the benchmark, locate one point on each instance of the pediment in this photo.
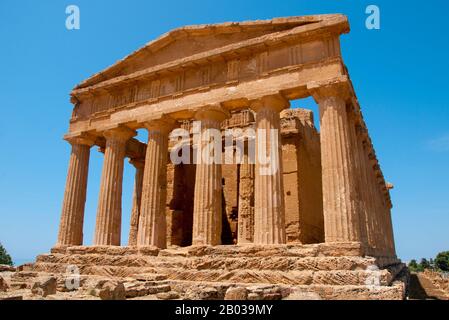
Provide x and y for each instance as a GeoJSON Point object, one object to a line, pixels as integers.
{"type": "Point", "coordinates": [191, 40]}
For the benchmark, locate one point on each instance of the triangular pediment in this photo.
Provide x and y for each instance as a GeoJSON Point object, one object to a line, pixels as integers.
{"type": "Point", "coordinates": [191, 40]}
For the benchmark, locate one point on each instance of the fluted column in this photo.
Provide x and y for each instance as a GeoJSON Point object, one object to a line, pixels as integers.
{"type": "Point", "coordinates": [269, 211]}
{"type": "Point", "coordinates": [246, 199]}
{"type": "Point", "coordinates": [387, 230]}
{"type": "Point", "coordinates": [359, 186]}
{"type": "Point", "coordinates": [387, 224]}
{"type": "Point", "coordinates": [379, 219]}
{"type": "Point", "coordinates": [109, 213]}
{"type": "Point", "coordinates": [392, 245]}
{"type": "Point", "coordinates": [366, 186]}
{"type": "Point", "coordinates": [139, 164]}
{"type": "Point", "coordinates": [152, 223]}
{"type": "Point", "coordinates": [341, 219]}
{"type": "Point", "coordinates": [207, 210]}
{"type": "Point", "coordinates": [72, 216]}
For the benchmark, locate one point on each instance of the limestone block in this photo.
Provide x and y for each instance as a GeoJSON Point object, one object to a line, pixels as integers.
{"type": "Point", "coordinates": [4, 267]}
{"type": "Point", "coordinates": [44, 286]}
{"type": "Point", "coordinates": [109, 290]}
{"type": "Point", "coordinates": [10, 296]}
{"type": "Point", "coordinates": [3, 285]}
{"type": "Point", "coordinates": [236, 293]}
{"type": "Point", "coordinates": [171, 295]}
{"type": "Point", "coordinates": [135, 289]}
{"type": "Point", "coordinates": [158, 289]}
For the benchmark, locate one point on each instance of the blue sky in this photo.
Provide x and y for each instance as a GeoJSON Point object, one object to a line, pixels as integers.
{"type": "Point", "coordinates": [400, 74]}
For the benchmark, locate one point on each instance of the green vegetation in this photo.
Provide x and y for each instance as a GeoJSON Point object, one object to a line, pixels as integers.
{"type": "Point", "coordinates": [440, 263]}
{"type": "Point", "coordinates": [5, 258]}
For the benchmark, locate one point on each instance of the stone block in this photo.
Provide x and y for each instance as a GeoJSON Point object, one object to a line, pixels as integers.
{"type": "Point", "coordinates": [44, 286]}
{"type": "Point", "coordinates": [236, 293]}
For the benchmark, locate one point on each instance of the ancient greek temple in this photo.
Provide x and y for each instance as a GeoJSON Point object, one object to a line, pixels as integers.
{"type": "Point", "coordinates": [328, 193]}
{"type": "Point", "coordinates": [234, 74]}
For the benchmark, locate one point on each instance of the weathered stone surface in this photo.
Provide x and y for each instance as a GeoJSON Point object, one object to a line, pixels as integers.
{"type": "Point", "coordinates": [25, 267]}
{"type": "Point", "coordinates": [139, 164]}
{"type": "Point", "coordinates": [109, 290]}
{"type": "Point", "coordinates": [218, 270]}
{"type": "Point", "coordinates": [237, 293]}
{"type": "Point", "coordinates": [72, 216]}
{"type": "Point", "coordinates": [10, 296]}
{"type": "Point", "coordinates": [4, 267]}
{"type": "Point", "coordinates": [3, 285]}
{"type": "Point", "coordinates": [167, 295]}
{"type": "Point", "coordinates": [208, 293]}
{"type": "Point", "coordinates": [149, 277]}
{"type": "Point", "coordinates": [207, 211]}
{"type": "Point", "coordinates": [135, 289]}
{"type": "Point", "coordinates": [159, 288]}
{"type": "Point", "coordinates": [44, 286]}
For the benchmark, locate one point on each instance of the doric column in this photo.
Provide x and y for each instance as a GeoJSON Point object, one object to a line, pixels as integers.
{"type": "Point", "coordinates": [269, 211]}
{"type": "Point", "coordinates": [152, 223]}
{"type": "Point", "coordinates": [379, 216]}
{"type": "Point", "coordinates": [376, 232]}
{"type": "Point", "coordinates": [72, 216]}
{"type": "Point", "coordinates": [387, 227]}
{"type": "Point", "coordinates": [341, 219]}
{"type": "Point", "coordinates": [139, 164]}
{"type": "Point", "coordinates": [390, 227]}
{"type": "Point", "coordinates": [207, 208]}
{"type": "Point", "coordinates": [360, 199]}
{"type": "Point", "coordinates": [366, 185]}
{"type": "Point", "coordinates": [109, 213]}
{"type": "Point", "coordinates": [246, 199]}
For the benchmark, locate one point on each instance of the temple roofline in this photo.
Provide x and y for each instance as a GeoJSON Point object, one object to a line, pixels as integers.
{"type": "Point", "coordinates": [302, 26]}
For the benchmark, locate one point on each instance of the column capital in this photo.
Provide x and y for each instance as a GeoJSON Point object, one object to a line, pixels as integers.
{"type": "Point", "coordinates": [212, 112]}
{"type": "Point", "coordinates": [275, 102]}
{"type": "Point", "coordinates": [80, 139]}
{"type": "Point", "coordinates": [339, 87]}
{"type": "Point", "coordinates": [164, 124]}
{"type": "Point", "coordinates": [120, 133]}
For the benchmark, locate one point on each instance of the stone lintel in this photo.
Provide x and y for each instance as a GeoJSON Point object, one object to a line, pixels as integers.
{"type": "Point", "coordinates": [292, 83]}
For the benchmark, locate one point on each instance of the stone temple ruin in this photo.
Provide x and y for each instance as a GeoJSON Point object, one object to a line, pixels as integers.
{"type": "Point", "coordinates": [319, 228]}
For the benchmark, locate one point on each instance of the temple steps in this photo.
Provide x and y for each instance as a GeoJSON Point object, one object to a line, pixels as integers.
{"type": "Point", "coordinates": [353, 249]}
{"type": "Point", "coordinates": [262, 291]}
{"type": "Point", "coordinates": [323, 271]}
{"type": "Point", "coordinates": [282, 270]}
{"type": "Point", "coordinates": [213, 262]}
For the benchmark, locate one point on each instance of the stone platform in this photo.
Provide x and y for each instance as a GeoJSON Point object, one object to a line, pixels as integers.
{"type": "Point", "coordinates": [318, 271]}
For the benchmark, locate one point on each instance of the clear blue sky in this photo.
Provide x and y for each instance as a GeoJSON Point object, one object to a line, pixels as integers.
{"type": "Point", "coordinates": [400, 74]}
